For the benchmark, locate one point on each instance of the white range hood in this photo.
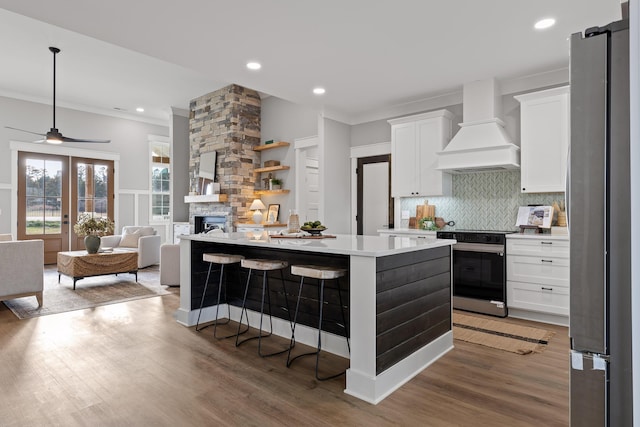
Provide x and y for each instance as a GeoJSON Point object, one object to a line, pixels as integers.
{"type": "Point", "coordinates": [481, 144]}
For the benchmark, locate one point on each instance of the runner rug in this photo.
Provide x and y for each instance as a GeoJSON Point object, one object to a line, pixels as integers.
{"type": "Point", "coordinates": [90, 292]}
{"type": "Point", "coordinates": [499, 334]}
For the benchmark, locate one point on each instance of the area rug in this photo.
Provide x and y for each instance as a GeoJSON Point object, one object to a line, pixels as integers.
{"type": "Point", "coordinates": [90, 292]}
{"type": "Point", "coordinates": [501, 335]}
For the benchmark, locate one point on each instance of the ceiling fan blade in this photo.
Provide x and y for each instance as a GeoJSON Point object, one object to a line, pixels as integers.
{"type": "Point", "coordinates": [54, 136]}
{"type": "Point", "coordinates": [27, 131]}
{"type": "Point", "coordinates": [99, 141]}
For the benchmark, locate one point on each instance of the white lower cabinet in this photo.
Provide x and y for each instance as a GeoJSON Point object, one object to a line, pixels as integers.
{"type": "Point", "coordinates": [546, 270]}
{"type": "Point", "coordinates": [537, 297]}
{"type": "Point", "coordinates": [538, 277]}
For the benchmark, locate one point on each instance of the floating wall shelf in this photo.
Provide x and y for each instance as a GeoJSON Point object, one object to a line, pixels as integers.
{"type": "Point", "coordinates": [272, 192]}
{"type": "Point", "coordinates": [272, 169]}
{"type": "Point", "coordinates": [277, 144]}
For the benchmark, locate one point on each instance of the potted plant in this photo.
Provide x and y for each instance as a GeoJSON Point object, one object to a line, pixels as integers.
{"type": "Point", "coordinates": [91, 228]}
{"type": "Point", "coordinates": [275, 184]}
{"type": "Point", "coordinates": [427, 223]}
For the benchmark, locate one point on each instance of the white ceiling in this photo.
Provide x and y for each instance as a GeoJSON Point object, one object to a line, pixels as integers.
{"type": "Point", "coordinates": [371, 55]}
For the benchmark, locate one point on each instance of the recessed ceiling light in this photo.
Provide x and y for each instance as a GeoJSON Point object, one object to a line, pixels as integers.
{"type": "Point", "coordinates": [544, 23]}
{"type": "Point", "coordinates": [254, 65]}
{"type": "Point", "coordinates": [318, 90]}
{"type": "Point", "coordinates": [140, 110]}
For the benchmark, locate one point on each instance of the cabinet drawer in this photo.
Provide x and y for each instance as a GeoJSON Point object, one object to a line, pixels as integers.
{"type": "Point", "coordinates": [538, 247]}
{"type": "Point", "coordinates": [543, 270]}
{"type": "Point", "coordinates": [536, 297]}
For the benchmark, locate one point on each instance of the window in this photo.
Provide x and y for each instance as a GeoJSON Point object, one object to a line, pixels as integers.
{"type": "Point", "coordinates": [160, 180]}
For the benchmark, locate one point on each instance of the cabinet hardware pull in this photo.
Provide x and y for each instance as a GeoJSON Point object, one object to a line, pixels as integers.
{"type": "Point", "coordinates": [546, 289]}
{"type": "Point", "coordinates": [546, 243]}
{"type": "Point", "coordinates": [546, 260]}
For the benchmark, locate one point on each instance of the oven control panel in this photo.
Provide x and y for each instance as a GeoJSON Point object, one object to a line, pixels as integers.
{"type": "Point", "coordinates": [487, 237]}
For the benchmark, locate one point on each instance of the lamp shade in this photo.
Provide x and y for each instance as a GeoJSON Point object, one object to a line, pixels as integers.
{"type": "Point", "coordinates": [257, 204]}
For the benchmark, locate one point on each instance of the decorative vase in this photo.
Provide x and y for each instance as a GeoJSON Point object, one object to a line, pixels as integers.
{"type": "Point", "coordinates": [293, 224]}
{"type": "Point", "coordinates": [92, 243]}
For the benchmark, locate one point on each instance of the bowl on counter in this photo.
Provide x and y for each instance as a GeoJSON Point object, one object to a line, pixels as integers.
{"type": "Point", "coordinates": [315, 231]}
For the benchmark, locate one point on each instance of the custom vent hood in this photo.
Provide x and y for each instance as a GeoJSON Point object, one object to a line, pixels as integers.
{"type": "Point", "coordinates": [481, 144]}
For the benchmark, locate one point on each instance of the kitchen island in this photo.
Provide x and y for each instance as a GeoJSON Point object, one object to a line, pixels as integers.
{"type": "Point", "coordinates": [399, 293]}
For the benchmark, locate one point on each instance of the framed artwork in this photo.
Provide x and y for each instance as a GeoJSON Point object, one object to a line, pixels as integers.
{"type": "Point", "coordinates": [272, 214]}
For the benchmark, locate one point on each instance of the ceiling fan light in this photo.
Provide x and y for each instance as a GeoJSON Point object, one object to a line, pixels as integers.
{"type": "Point", "coordinates": [54, 137]}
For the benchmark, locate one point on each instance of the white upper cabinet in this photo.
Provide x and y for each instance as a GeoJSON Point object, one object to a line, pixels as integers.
{"type": "Point", "coordinates": [414, 143]}
{"type": "Point", "coordinates": [544, 140]}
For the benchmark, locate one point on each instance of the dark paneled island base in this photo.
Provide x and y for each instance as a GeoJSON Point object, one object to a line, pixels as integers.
{"type": "Point", "coordinates": [399, 293]}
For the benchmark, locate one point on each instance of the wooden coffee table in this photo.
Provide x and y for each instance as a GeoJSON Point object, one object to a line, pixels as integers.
{"type": "Point", "coordinates": [80, 264]}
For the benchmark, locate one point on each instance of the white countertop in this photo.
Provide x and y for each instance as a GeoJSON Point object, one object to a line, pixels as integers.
{"type": "Point", "coordinates": [538, 236]}
{"type": "Point", "coordinates": [343, 244]}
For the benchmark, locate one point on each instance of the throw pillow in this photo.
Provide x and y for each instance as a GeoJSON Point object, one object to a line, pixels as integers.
{"type": "Point", "coordinates": [130, 240]}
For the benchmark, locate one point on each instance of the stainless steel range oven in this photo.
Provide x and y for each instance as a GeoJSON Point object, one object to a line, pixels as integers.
{"type": "Point", "coordinates": [479, 271]}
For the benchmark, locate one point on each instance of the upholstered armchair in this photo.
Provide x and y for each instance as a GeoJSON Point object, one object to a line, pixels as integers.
{"type": "Point", "coordinates": [143, 240]}
{"type": "Point", "coordinates": [21, 269]}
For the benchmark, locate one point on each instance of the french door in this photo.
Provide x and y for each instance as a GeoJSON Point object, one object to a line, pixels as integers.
{"type": "Point", "coordinates": [45, 209]}
{"type": "Point", "coordinates": [43, 201]}
{"type": "Point", "coordinates": [91, 192]}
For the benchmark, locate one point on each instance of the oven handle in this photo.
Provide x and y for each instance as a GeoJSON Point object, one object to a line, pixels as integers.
{"type": "Point", "coordinates": [479, 247]}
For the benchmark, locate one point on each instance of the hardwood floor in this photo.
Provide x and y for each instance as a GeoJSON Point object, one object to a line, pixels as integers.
{"type": "Point", "coordinates": [131, 364]}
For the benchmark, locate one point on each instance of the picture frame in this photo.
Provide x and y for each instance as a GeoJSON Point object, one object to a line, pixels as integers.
{"type": "Point", "coordinates": [272, 213]}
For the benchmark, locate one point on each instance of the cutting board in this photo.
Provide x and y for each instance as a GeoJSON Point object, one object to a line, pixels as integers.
{"type": "Point", "coordinates": [425, 210]}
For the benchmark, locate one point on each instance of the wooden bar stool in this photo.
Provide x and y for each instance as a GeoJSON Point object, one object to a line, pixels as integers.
{"type": "Point", "coordinates": [221, 260]}
{"type": "Point", "coordinates": [264, 265]}
{"type": "Point", "coordinates": [322, 273]}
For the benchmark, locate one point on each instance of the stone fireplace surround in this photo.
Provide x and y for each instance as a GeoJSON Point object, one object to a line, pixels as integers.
{"type": "Point", "coordinates": [226, 121]}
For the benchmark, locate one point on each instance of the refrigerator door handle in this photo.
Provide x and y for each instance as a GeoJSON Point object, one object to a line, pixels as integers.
{"type": "Point", "coordinates": [567, 190]}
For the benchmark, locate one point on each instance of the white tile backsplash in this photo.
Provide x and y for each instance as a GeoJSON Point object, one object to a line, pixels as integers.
{"type": "Point", "coordinates": [487, 201]}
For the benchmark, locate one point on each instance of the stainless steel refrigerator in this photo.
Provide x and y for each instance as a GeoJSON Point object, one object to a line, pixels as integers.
{"type": "Point", "coordinates": [599, 228]}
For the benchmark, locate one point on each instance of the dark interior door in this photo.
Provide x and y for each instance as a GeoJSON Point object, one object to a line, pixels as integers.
{"type": "Point", "coordinates": [362, 172]}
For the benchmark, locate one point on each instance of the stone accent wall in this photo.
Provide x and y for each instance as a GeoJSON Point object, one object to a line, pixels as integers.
{"type": "Point", "coordinates": [226, 121]}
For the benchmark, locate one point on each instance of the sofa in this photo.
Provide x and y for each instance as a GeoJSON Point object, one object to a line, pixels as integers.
{"type": "Point", "coordinates": [143, 240]}
{"type": "Point", "coordinates": [21, 269]}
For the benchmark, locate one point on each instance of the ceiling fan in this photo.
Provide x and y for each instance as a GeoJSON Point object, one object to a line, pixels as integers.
{"type": "Point", "coordinates": [54, 136]}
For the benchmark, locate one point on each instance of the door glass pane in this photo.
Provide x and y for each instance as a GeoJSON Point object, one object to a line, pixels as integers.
{"type": "Point", "coordinates": [43, 196]}
{"type": "Point", "coordinates": [93, 189]}
{"type": "Point", "coordinates": [160, 181]}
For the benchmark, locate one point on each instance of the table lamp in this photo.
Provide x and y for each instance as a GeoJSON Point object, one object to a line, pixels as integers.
{"type": "Point", "coordinates": [256, 206]}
